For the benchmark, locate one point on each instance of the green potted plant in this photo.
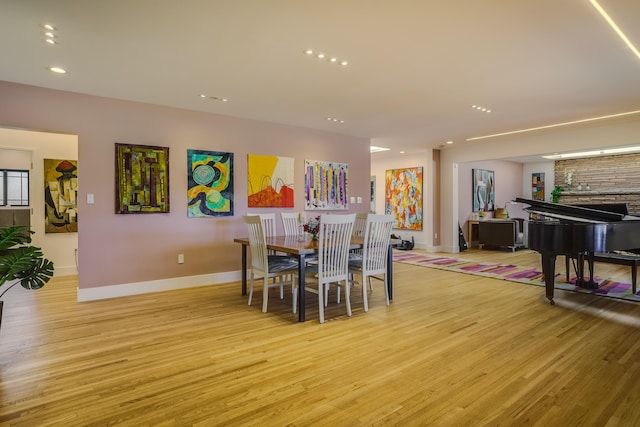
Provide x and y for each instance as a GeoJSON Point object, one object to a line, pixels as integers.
{"type": "Point", "coordinates": [21, 263]}
{"type": "Point", "coordinates": [555, 194]}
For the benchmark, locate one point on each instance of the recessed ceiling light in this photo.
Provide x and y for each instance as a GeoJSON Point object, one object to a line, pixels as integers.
{"type": "Point", "coordinates": [58, 70]}
{"type": "Point", "coordinates": [214, 98]}
{"type": "Point", "coordinates": [324, 57]}
{"type": "Point", "coordinates": [50, 41]}
{"type": "Point", "coordinates": [449, 142]}
{"type": "Point", "coordinates": [481, 108]}
{"type": "Point", "coordinates": [49, 27]}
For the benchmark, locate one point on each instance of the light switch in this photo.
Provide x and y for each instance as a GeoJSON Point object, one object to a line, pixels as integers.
{"type": "Point", "coordinates": [359, 199]}
{"type": "Point", "coordinates": [352, 200]}
{"type": "Point", "coordinates": [89, 199]}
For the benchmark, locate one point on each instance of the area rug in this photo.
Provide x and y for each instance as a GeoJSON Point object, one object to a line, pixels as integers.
{"type": "Point", "coordinates": [514, 273]}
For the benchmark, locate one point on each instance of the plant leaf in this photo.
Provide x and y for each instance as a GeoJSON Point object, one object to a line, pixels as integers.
{"type": "Point", "coordinates": [39, 273]}
{"type": "Point", "coordinates": [14, 235]}
{"type": "Point", "coordinates": [27, 265]}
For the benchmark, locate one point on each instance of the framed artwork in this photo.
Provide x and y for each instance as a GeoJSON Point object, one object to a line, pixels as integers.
{"type": "Point", "coordinates": [60, 196]}
{"type": "Point", "coordinates": [372, 197]}
{"type": "Point", "coordinates": [325, 185]}
{"type": "Point", "coordinates": [270, 181]}
{"type": "Point", "coordinates": [142, 179]}
{"type": "Point", "coordinates": [209, 183]}
{"type": "Point", "coordinates": [537, 186]}
{"type": "Point", "coordinates": [403, 197]}
{"type": "Point", "coordinates": [484, 192]}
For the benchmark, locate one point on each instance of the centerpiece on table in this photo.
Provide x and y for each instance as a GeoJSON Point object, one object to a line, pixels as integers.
{"type": "Point", "coordinates": [313, 227]}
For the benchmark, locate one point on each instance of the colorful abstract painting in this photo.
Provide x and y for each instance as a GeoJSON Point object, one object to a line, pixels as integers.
{"type": "Point", "coordinates": [484, 191]}
{"type": "Point", "coordinates": [142, 179]}
{"type": "Point", "coordinates": [210, 183]}
{"type": "Point", "coordinates": [325, 185]}
{"type": "Point", "coordinates": [60, 196]}
{"type": "Point", "coordinates": [403, 197]}
{"type": "Point", "coordinates": [537, 186]}
{"type": "Point", "coordinates": [270, 181]}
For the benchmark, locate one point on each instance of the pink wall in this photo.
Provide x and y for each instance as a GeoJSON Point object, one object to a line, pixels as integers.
{"type": "Point", "coordinates": [508, 185]}
{"type": "Point", "coordinates": [121, 249]}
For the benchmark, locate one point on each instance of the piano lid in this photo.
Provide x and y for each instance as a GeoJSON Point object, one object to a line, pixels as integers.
{"type": "Point", "coordinates": [573, 213]}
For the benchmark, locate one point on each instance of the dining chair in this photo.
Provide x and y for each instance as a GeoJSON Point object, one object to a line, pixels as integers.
{"type": "Point", "coordinates": [291, 222]}
{"type": "Point", "coordinates": [268, 222]}
{"type": "Point", "coordinates": [263, 265]}
{"type": "Point", "coordinates": [373, 264]}
{"type": "Point", "coordinates": [334, 240]}
{"type": "Point", "coordinates": [360, 224]}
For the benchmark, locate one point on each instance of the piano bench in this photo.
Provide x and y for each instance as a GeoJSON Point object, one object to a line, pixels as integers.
{"type": "Point", "coordinates": [615, 258]}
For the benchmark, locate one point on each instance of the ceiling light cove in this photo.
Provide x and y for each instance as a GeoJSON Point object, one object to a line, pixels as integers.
{"type": "Point", "coordinates": [591, 119]}
{"type": "Point", "coordinates": [601, 152]}
{"type": "Point", "coordinates": [324, 57]}
{"type": "Point", "coordinates": [615, 27]}
{"type": "Point", "coordinates": [481, 108]}
{"type": "Point", "coordinates": [375, 149]}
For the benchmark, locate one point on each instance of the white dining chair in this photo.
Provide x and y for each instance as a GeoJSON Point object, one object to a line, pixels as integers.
{"type": "Point", "coordinates": [268, 222]}
{"type": "Point", "coordinates": [360, 224]}
{"type": "Point", "coordinates": [332, 265]}
{"type": "Point", "coordinates": [263, 265]}
{"type": "Point", "coordinates": [375, 250]}
{"type": "Point", "coordinates": [291, 222]}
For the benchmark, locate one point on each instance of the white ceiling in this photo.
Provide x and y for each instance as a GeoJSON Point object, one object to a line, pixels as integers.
{"type": "Point", "coordinates": [415, 66]}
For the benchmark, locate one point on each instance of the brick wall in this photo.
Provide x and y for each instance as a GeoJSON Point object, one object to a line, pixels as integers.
{"type": "Point", "coordinates": [611, 179]}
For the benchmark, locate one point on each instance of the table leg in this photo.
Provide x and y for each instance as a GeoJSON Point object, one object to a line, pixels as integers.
{"type": "Point", "coordinates": [244, 269]}
{"type": "Point", "coordinates": [301, 291]}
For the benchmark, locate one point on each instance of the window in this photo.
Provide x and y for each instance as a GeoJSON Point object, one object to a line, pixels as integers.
{"type": "Point", "coordinates": [14, 187]}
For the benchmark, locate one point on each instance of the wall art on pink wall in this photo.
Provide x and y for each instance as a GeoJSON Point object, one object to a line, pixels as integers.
{"type": "Point", "coordinates": [537, 186]}
{"type": "Point", "coordinates": [210, 183]}
{"type": "Point", "coordinates": [325, 185]}
{"type": "Point", "coordinates": [142, 179]}
{"type": "Point", "coordinates": [60, 196]}
{"type": "Point", "coordinates": [403, 197]}
{"type": "Point", "coordinates": [484, 190]}
{"type": "Point", "coordinates": [270, 181]}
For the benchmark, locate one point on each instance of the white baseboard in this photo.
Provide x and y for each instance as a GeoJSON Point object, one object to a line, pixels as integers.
{"type": "Point", "coordinates": [128, 289]}
{"type": "Point", "coordinates": [69, 270]}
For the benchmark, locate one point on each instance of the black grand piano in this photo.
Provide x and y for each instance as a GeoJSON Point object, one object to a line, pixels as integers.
{"type": "Point", "coordinates": [578, 232]}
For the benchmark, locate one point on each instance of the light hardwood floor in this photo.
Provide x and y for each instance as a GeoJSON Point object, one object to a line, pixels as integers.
{"type": "Point", "coordinates": [451, 350]}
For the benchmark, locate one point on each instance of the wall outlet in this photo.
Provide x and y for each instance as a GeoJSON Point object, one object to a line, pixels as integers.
{"type": "Point", "coordinates": [180, 258]}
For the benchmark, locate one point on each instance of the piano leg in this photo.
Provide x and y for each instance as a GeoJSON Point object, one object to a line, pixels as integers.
{"type": "Point", "coordinates": [580, 279]}
{"type": "Point", "coordinates": [549, 271]}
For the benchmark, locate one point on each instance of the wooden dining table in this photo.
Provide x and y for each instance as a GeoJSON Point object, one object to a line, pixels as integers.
{"type": "Point", "coordinates": [300, 249]}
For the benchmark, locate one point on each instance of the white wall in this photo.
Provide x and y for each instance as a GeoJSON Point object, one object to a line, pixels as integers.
{"type": "Point", "coordinates": [423, 239]}
{"type": "Point", "coordinates": [548, 168]}
{"type": "Point", "coordinates": [57, 247]}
